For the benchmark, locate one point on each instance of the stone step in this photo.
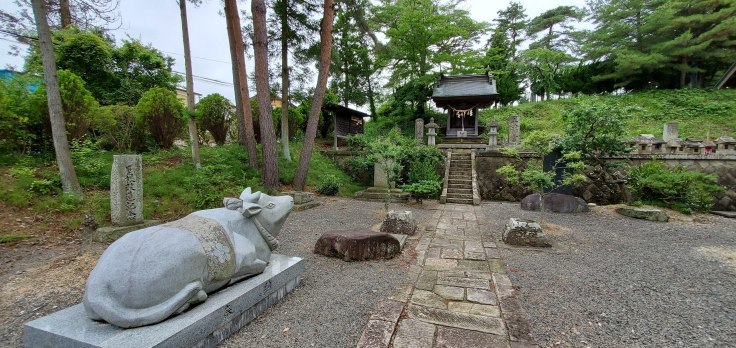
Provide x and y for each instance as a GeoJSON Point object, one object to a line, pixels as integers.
{"type": "Point", "coordinates": [467, 173]}
{"type": "Point", "coordinates": [460, 161]}
{"type": "Point", "coordinates": [459, 200]}
{"type": "Point", "coordinates": [460, 195]}
{"type": "Point", "coordinates": [460, 191]}
{"type": "Point", "coordinates": [461, 176]}
{"type": "Point", "coordinates": [460, 185]}
{"type": "Point", "coordinates": [378, 196]}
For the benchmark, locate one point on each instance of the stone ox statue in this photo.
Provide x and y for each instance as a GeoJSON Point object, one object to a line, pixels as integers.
{"type": "Point", "coordinates": [147, 275]}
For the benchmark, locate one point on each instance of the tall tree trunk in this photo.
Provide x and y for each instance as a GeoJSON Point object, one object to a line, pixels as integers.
{"type": "Point", "coordinates": [69, 182]}
{"type": "Point", "coordinates": [300, 177]}
{"type": "Point", "coordinates": [193, 137]}
{"type": "Point", "coordinates": [371, 99]}
{"type": "Point", "coordinates": [346, 69]}
{"type": "Point", "coordinates": [270, 177]}
{"type": "Point", "coordinates": [683, 73]}
{"type": "Point", "coordinates": [246, 134]}
{"type": "Point", "coordinates": [285, 82]}
{"type": "Point", "coordinates": [65, 13]}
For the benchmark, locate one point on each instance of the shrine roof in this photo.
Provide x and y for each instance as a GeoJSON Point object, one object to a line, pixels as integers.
{"type": "Point", "coordinates": [453, 86]}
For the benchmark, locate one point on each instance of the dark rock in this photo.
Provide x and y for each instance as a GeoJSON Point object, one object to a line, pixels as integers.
{"type": "Point", "coordinates": [357, 245]}
{"type": "Point", "coordinates": [644, 213]}
{"type": "Point", "coordinates": [524, 233]}
{"type": "Point", "coordinates": [555, 202]}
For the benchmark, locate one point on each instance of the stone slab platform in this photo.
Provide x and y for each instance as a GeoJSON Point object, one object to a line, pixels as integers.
{"type": "Point", "coordinates": [205, 325]}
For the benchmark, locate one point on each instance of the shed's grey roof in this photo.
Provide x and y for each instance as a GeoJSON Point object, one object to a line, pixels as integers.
{"type": "Point", "coordinates": [464, 86]}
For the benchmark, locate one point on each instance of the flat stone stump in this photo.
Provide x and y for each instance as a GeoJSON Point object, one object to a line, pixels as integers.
{"type": "Point", "coordinates": [524, 233]}
{"type": "Point", "coordinates": [357, 245]}
{"type": "Point", "coordinates": [644, 213]}
{"type": "Point", "coordinates": [205, 325]}
{"type": "Point", "coordinates": [399, 222]}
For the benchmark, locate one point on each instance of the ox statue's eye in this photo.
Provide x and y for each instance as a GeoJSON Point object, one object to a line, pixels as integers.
{"type": "Point", "coordinates": [270, 205]}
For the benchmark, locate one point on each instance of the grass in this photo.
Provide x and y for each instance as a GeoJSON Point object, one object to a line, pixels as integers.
{"type": "Point", "coordinates": [11, 238]}
{"type": "Point", "coordinates": [172, 187]}
{"type": "Point", "coordinates": [699, 112]}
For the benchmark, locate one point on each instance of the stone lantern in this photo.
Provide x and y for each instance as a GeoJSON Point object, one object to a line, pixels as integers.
{"type": "Point", "coordinates": [431, 131]}
{"type": "Point", "coordinates": [493, 135]}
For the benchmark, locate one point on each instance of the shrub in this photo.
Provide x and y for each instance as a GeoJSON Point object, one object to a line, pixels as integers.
{"type": "Point", "coordinates": [329, 185]}
{"type": "Point", "coordinates": [423, 189]}
{"type": "Point", "coordinates": [677, 188]}
{"type": "Point", "coordinates": [78, 105]}
{"type": "Point", "coordinates": [161, 113]}
{"type": "Point", "coordinates": [91, 168]}
{"type": "Point", "coordinates": [214, 113]}
{"type": "Point", "coordinates": [595, 129]}
{"type": "Point", "coordinates": [118, 128]}
{"type": "Point", "coordinates": [43, 186]}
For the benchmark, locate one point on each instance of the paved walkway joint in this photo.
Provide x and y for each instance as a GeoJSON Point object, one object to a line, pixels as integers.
{"type": "Point", "coordinates": [458, 294]}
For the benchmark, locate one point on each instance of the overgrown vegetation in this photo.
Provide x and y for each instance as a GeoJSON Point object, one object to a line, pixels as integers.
{"type": "Point", "coordinates": [699, 112]}
{"type": "Point", "coordinates": [172, 187]}
{"type": "Point", "coordinates": [677, 188]}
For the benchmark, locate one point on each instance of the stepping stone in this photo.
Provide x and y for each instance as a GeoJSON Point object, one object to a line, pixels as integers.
{"type": "Point", "coordinates": [556, 203]}
{"type": "Point", "coordinates": [414, 333]}
{"type": "Point", "coordinates": [448, 337]}
{"type": "Point", "coordinates": [644, 213]}
{"type": "Point", "coordinates": [458, 320]}
{"type": "Point", "coordinates": [524, 233]}
{"type": "Point", "coordinates": [357, 245]}
{"type": "Point", "coordinates": [728, 214]}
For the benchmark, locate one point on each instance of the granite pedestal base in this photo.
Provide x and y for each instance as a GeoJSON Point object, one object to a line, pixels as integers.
{"type": "Point", "coordinates": [205, 325]}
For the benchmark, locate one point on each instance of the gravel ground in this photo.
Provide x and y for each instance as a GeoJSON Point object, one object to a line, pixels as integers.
{"type": "Point", "coordinates": [612, 281]}
{"type": "Point", "coordinates": [332, 305]}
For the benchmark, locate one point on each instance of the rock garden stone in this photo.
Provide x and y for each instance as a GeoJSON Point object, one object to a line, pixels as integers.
{"type": "Point", "coordinates": [399, 222]}
{"type": "Point", "coordinates": [357, 245]}
{"type": "Point", "coordinates": [644, 213]}
{"type": "Point", "coordinates": [302, 200]}
{"type": "Point", "coordinates": [524, 233]}
{"type": "Point", "coordinates": [556, 203]}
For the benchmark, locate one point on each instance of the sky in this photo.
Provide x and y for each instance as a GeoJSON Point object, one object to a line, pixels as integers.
{"type": "Point", "coordinates": [157, 22]}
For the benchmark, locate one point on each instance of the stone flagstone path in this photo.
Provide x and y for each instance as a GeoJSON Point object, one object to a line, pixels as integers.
{"type": "Point", "coordinates": [458, 293]}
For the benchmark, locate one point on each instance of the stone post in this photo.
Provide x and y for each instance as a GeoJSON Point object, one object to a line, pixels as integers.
{"type": "Point", "coordinates": [126, 190]}
{"type": "Point", "coordinates": [514, 130]}
{"type": "Point", "coordinates": [493, 135]}
{"type": "Point", "coordinates": [671, 131]}
{"type": "Point", "coordinates": [419, 129]}
{"type": "Point", "coordinates": [431, 131]}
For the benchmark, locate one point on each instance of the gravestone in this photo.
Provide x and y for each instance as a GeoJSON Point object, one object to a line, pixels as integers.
{"type": "Point", "coordinates": [126, 190]}
{"type": "Point", "coordinates": [419, 129]}
{"type": "Point", "coordinates": [379, 174]}
{"type": "Point", "coordinates": [671, 131]}
{"type": "Point", "coordinates": [514, 130]}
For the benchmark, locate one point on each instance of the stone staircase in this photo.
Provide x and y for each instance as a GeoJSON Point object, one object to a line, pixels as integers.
{"type": "Point", "coordinates": [460, 183]}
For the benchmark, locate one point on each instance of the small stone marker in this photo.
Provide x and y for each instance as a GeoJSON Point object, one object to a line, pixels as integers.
{"type": "Point", "coordinates": [431, 132]}
{"type": "Point", "coordinates": [556, 203]}
{"type": "Point", "coordinates": [357, 245]}
{"type": "Point", "coordinates": [514, 129]}
{"type": "Point", "coordinates": [419, 129]}
{"type": "Point", "coordinates": [671, 131]}
{"type": "Point", "coordinates": [728, 214]}
{"type": "Point", "coordinates": [644, 213]}
{"type": "Point", "coordinates": [524, 233]}
{"type": "Point", "coordinates": [379, 175]}
{"type": "Point", "coordinates": [399, 222]}
{"type": "Point", "coordinates": [126, 190]}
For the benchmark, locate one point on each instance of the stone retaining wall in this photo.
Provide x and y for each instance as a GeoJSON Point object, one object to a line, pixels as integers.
{"type": "Point", "coordinates": [607, 188]}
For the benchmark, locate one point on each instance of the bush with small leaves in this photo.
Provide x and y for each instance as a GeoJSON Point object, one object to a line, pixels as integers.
{"type": "Point", "coordinates": [329, 185]}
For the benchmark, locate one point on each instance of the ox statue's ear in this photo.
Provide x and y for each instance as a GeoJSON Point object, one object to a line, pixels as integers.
{"type": "Point", "coordinates": [250, 209]}
{"type": "Point", "coordinates": [232, 203]}
{"type": "Point", "coordinates": [247, 192]}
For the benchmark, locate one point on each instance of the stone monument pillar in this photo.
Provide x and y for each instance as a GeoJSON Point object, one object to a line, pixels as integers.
{"type": "Point", "coordinates": [419, 129]}
{"type": "Point", "coordinates": [493, 135]}
{"type": "Point", "coordinates": [431, 131]}
{"type": "Point", "coordinates": [671, 131]}
{"type": "Point", "coordinates": [514, 130]}
{"type": "Point", "coordinates": [126, 190]}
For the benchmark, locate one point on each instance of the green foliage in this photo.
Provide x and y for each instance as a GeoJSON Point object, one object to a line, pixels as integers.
{"type": "Point", "coordinates": [79, 108]}
{"type": "Point", "coordinates": [698, 112]}
{"type": "Point", "coordinates": [161, 114]}
{"type": "Point", "coordinates": [422, 171]}
{"type": "Point", "coordinates": [533, 176]}
{"type": "Point", "coordinates": [139, 68]}
{"type": "Point", "coordinates": [17, 116]}
{"type": "Point", "coordinates": [43, 187]}
{"type": "Point", "coordinates": [92, 169]}
{"type": "Point", "coordinates": [330, 185]}
{"type": "Point", "coordinates": [423, 189]}
{"type": "Point", "coordinates": [595, 129]}
{"type": "Point", "coordinates": [676, 188]}
{"type": "Point", "coordinates": [215, 113]}
{"type": "Point", "coordinates": [11, 238]}
{"type": "Point", "coordinates": [118, 128]}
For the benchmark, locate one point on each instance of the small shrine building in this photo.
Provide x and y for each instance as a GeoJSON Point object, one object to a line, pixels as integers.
{"type": "Point", "coordinates": [462, 96]}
